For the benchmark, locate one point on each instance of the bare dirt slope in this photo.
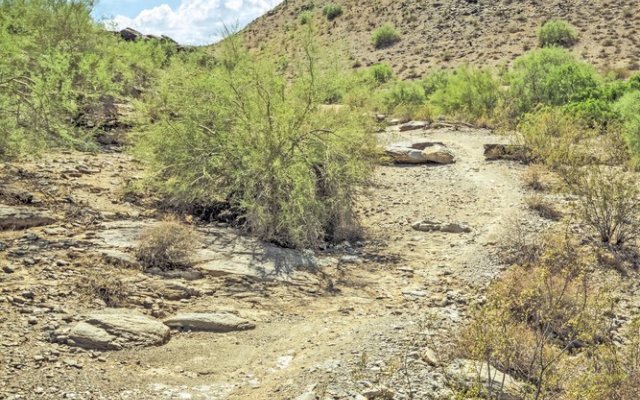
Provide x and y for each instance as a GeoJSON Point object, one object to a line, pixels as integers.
{"type": "Point", "coordinates": [440, 33]}
{"type": "Point", "coordinates": [361, 321]}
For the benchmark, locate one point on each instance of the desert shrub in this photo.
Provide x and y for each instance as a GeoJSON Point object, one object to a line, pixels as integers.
{"type": "Point", "coordinates": [403, 93]}
{"type": "Point", "coordinates": [385, 36]}
{"type": "Point", "coordinates": [107, 287]}
{"type": "Point", "coordinates": [557, 33]}
{"type": "Point", "coordinates": [537, 317]}
{"type": "Point", "coordinates": [629, 108]}
{"type": "Point", "coordinates": [435, 81]}
{"type": "Point", "coordinates": [608, 203]}
{"type": "Point", "coordinates": [250, 133]}
{"type": "Point", "coordinates": [167, 245]}
{"type": "Point", "coordinates": [593, 113]}
{"type": "Point", "coordinates": [381, 73]}
{"type": "Point", "coordinates": [543, 208]}
{"type": "Point", "coordinates": [549, 76]}
{"type": "Point", "coordinates": [58, 66]}
{"type": "Point", "coordinates": [305, 17]}
{"type": "Point", "coordinates": [468, 93]}
{"type": "Point", "coordinates": [332, 11]}
{"type": "Point", "coordinates": [520, 246]}
{"type": "Point", "coordinates": [533, 177]}
{"type": "Point", "coordinates": [611, 372]}
{"type": "Point", "coordinates": [553, 136]}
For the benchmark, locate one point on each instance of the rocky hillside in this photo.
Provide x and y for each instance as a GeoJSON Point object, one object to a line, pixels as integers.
{"type": "Point", "coordinates": [439, 33]}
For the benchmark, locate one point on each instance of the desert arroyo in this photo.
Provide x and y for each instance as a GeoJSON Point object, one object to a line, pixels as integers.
{"type": "Point", "coordinates": [342, 200]}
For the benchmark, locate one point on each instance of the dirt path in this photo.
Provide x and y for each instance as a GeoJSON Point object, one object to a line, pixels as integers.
{"type": "Point", "coordinates": [380, 303]}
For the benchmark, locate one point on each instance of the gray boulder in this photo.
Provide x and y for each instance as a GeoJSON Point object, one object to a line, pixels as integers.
{"type": "Point", "coordinates": [420, 153]}
{"type": "Point", "coordinates": [115, 329]}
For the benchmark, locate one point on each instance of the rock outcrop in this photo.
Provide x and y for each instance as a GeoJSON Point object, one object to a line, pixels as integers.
{"type": "Point", "coordinates": [209, 322]}
{"type": "Point", "coordinates": [18, 218]}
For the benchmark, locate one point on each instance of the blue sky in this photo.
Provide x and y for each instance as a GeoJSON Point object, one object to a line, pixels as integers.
{"type": "Point", "coordinates": [186, 21]}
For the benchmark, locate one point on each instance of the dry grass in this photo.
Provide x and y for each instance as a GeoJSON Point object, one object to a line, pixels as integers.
{"type": "Point", "coordinates": [167, 245]}
{"type": "Point", "coordinates": [543, 208]}
{"type": "Point", "coordinates": [534, 177]}
{"type": "Point", "coordinates": [106, 287]}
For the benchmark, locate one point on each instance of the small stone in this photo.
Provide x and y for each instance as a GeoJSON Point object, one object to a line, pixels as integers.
{"type": "Point", "coordinates": [8, 269]}
{"type": "Point", "coordinates": [429, 356]}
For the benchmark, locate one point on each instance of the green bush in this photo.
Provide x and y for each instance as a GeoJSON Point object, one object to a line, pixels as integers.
{"type": "Point", "coordinates": [332, 11]}
{"type": "Point", "coordinates": [58, 66]}
{"type": "Point", "coordinates": [469, 93]}
{"type": "Point", "coordinates": [552, 135]}
{"type": "Point", "coordinates": [549, 76]}
{"type": "Point", "coordinates": [557, 33]}
{"type": "Point", "coordinates": [381, 73]}
{"type": "Point", "coordinates": [305, 17]}
{"type": "Point", "coordinates": [385, 36]}
{"type": "Point", "coordinates": [629, 108]}
{"type": "Point", "coordinates": [435, 81]}
{"type": "Point", "coordinates": [594, 113]}
{"type": "Point", "coordinates": [252, 135]}
{"type": "Point", "coordinates": [403, 93]}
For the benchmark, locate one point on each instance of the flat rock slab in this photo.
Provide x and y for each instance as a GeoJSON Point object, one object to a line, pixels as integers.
{"type": "Point", "coordinates": [413, 125]}
{"type": "Point", "coordinates": [18, 218]}
{"type": "Point", "coordinates": [420, 153]}
{"type": "Point", "coordinates": [115, 329]}
{"type": "Point", "coordinates": [223, 252]}
{"type": "Point", "coordinates": [434, 226]}
{"type": "Point", "coordinates": [209, 322]}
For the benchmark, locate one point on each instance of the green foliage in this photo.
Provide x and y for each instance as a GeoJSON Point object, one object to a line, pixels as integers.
{"type": "Point", "coordinates": [381, 73]}
{"type": "Point", "coordinates": [403, 93]}
{"type": "Point", "coordinates": [58, 65]}
{"type": "Point", "coordinates": [468, 93]}
{"type": "Point", "coordinates": [385, 36]}
{"type": "Point", "coordinates": [244, 134]}
{"type": "Point", "coordinates": [435, 81]}
{"type": "Point", "coordinates": [305, 17]}
{"type": "Point", "coordinates": [549, 76]}
{"type": "Point", "coordinates": [593, 113]}
{"type": "Point", "coordinates": [332, 11]}
{"type": "Point", "coordinates": [552, 135]}
{"type": "Point", "coordinates": [557, 33]}
{"type": "Point", "coordinates": [629, 108]}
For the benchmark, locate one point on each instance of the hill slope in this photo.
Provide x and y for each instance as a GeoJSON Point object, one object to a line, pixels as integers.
{"type": "Point", "coordinates": [450, 32]}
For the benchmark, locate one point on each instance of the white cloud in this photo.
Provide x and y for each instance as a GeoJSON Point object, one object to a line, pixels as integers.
{"type": "Point", "coordinates": [195, 21]}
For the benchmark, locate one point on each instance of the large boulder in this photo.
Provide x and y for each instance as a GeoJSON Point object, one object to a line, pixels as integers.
{"type": "Point", "coordinates": [17, 218]}
{"type": "Point", "coordinates": [114, 329]}
{"type": "Point", "coordinates": [420, 153]}
{"type": "Point", "coordinates": [131, 35]}
{"type": "Point", "coordinates": [209, 322]}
